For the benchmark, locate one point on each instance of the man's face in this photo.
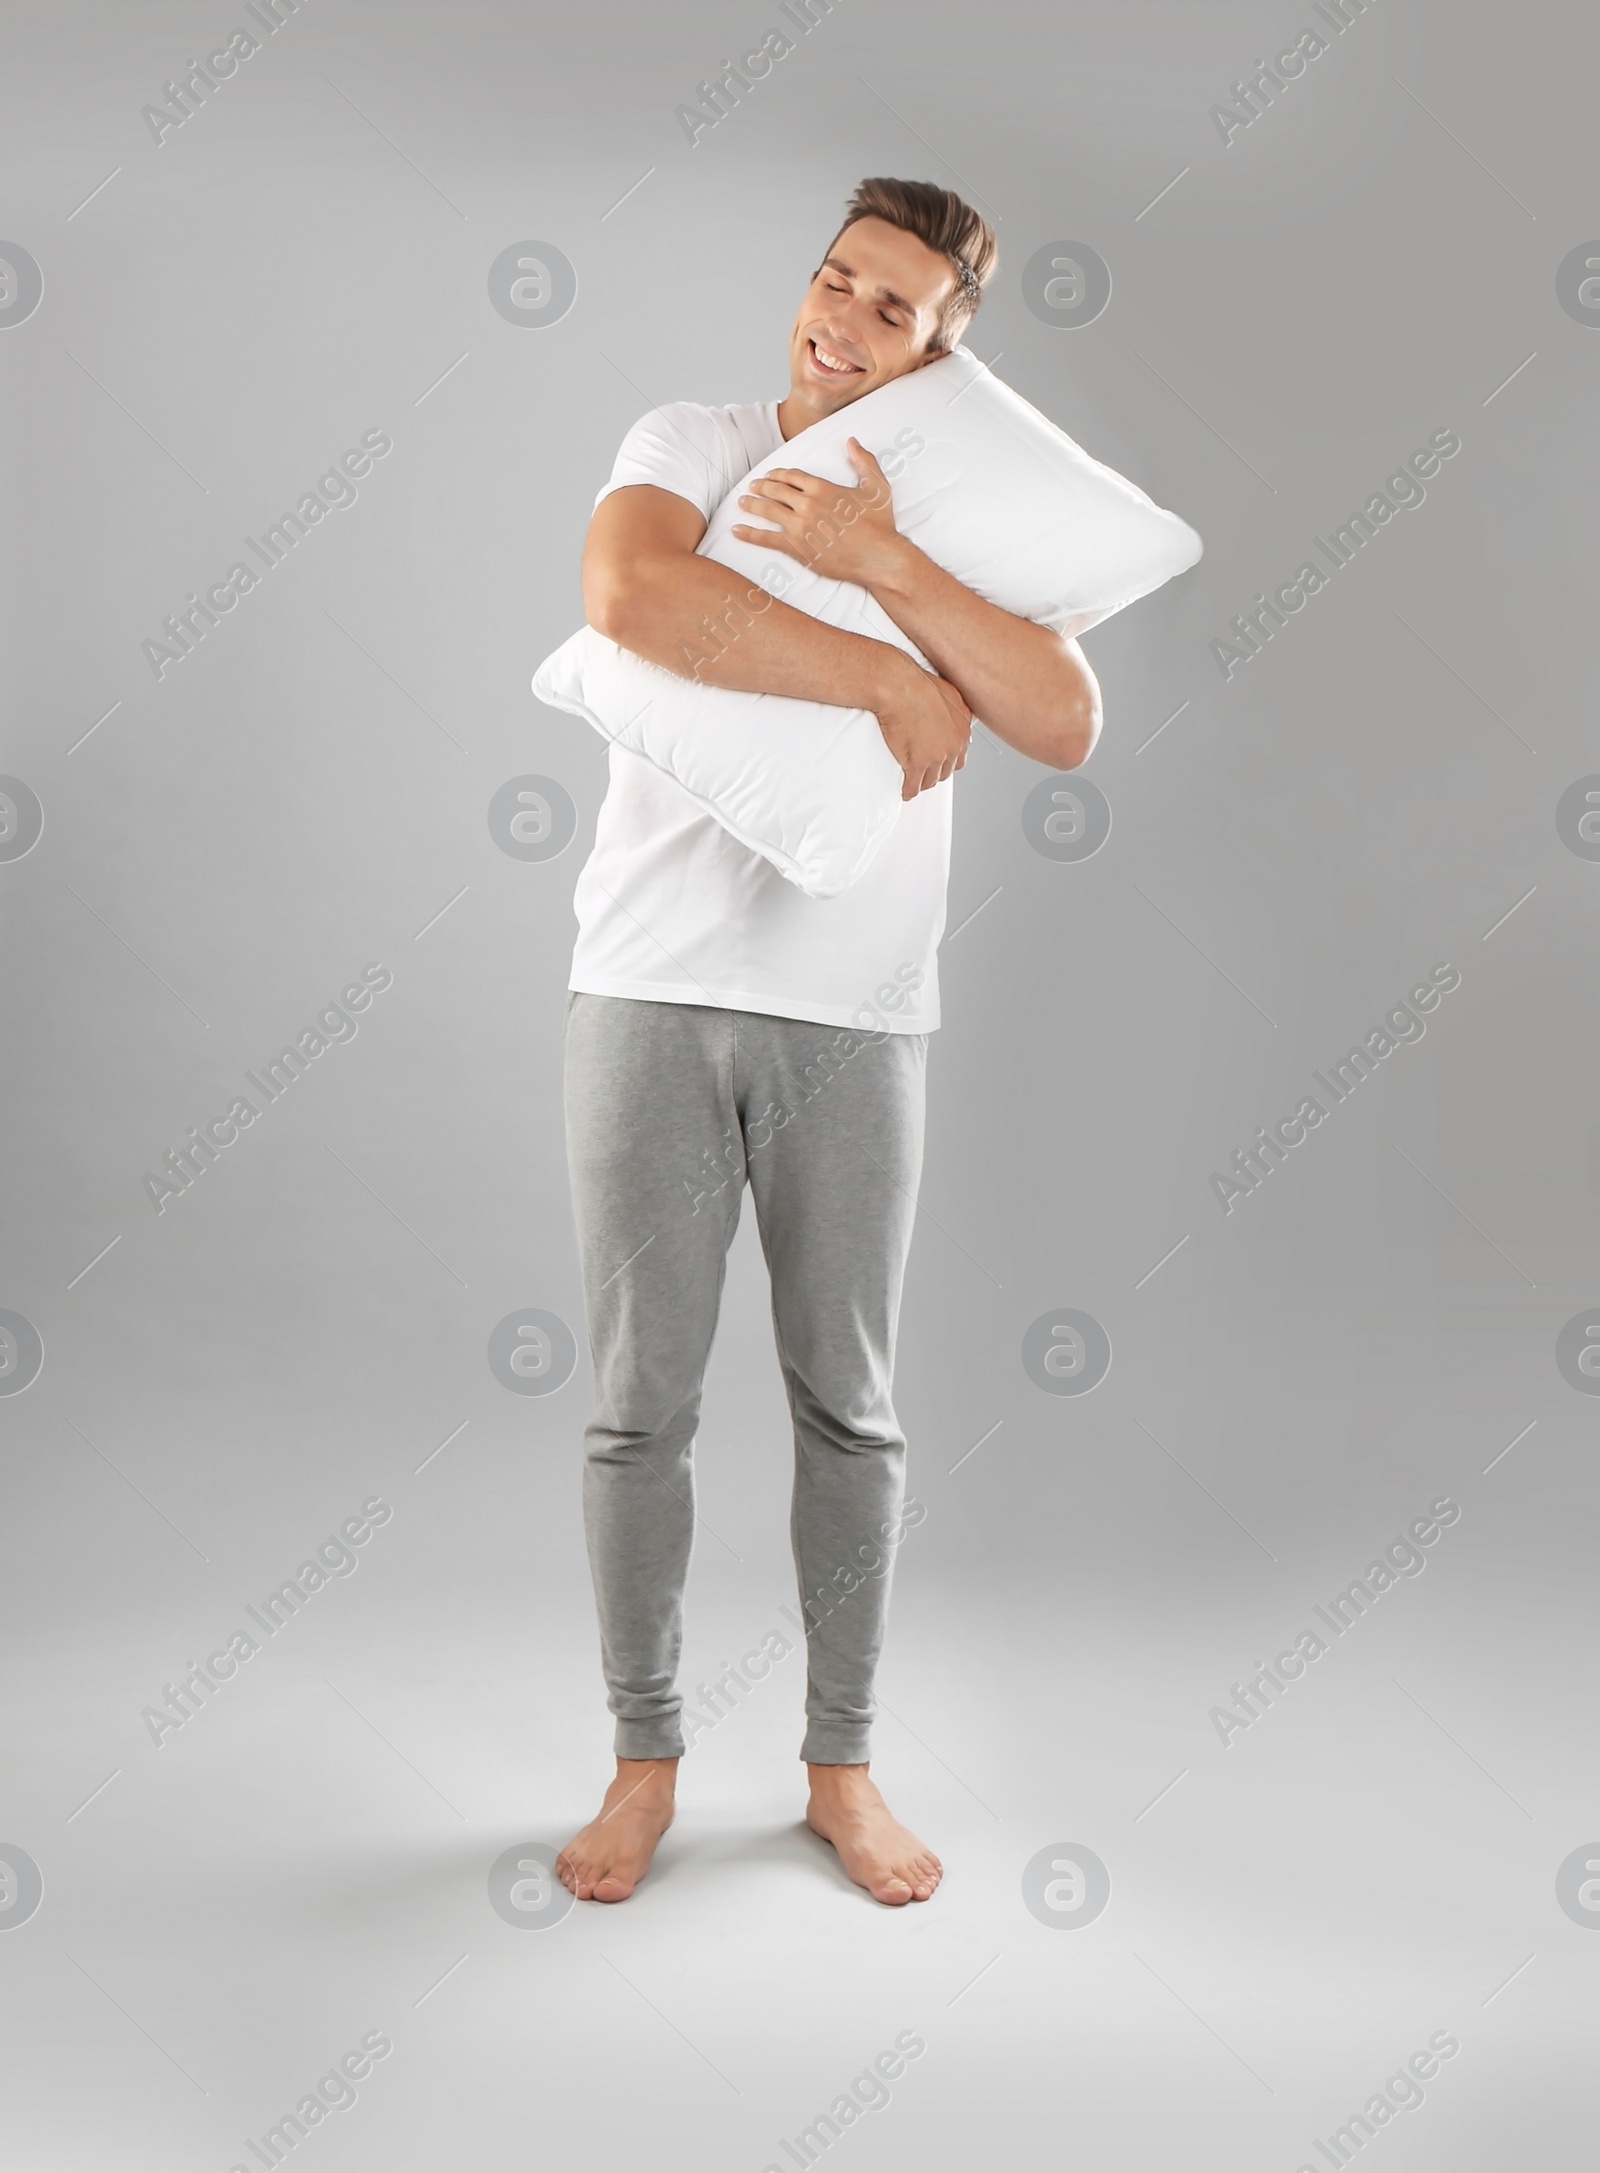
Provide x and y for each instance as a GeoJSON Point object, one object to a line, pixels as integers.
{"type": "Point", "coordinates": [867, 317]}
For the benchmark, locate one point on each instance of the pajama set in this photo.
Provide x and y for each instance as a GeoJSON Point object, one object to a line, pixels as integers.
{"type": "Point", "coordinates": [724, 1030]}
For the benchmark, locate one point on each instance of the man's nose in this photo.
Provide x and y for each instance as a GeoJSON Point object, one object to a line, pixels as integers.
{"type": "Point", "coordinates": [845, 325]}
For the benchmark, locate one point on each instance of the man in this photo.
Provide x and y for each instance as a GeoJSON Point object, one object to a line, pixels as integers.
{"type": "Point", "coordinates": [711, 1036]}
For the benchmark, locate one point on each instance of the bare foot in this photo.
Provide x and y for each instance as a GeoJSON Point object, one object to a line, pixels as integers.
{"type": "Point", "coordinates": [608, 1858]}
{"type": "Point", "coordinates": [877, 1851]}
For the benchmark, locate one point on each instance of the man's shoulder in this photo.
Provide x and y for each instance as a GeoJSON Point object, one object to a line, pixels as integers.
{"type": "Point", "coordinates": [698, 452]}
{"type": "Point", "coordinates": [740, 421]}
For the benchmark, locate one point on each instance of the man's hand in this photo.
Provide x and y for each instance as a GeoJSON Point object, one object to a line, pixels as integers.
{"type": "Point", "coordinates": [925, 725]}
{"type": "Point", "coordinates": [849, 535]}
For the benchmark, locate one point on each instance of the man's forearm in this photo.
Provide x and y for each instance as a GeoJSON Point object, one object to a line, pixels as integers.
{"type": "Point", "coordinates": [696, 618]}
{"type": "Point", "coordinates": [1032, 688]}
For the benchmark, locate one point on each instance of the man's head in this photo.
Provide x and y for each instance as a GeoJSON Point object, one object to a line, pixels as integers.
{"type": "Point", "coordinates": [895, 290]}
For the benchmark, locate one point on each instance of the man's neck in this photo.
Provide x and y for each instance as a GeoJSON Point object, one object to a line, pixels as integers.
{"type": "Point", "coordinates": [791, 421]}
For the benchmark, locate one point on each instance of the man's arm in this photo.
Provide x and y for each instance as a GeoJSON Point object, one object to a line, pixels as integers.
{"type": "Point", "coordinates": [1033, 688]}
{"type": "Point", "coordinates": [645, 588]}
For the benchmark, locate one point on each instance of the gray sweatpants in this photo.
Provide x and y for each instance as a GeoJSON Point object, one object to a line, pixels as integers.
{"type": "Point", "coordinates": [671, 1109]}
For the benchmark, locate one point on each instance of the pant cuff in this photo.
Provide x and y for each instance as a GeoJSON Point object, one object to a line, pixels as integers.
{"type": "Point", "coordinates": [649, 1739]}
{"type": "Point", "coordinates": [837, 1743]}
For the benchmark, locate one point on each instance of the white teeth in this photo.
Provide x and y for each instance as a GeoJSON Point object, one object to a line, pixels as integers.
{"type": "Point", "coordinates": [830, 362]}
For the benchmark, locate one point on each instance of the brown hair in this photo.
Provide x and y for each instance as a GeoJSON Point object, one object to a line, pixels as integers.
{"type": "Point", "coordinates": [940, 219]}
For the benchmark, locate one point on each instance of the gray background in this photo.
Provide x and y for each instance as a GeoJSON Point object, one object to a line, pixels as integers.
{"type": "Point", "coordinates": [1369, 261]}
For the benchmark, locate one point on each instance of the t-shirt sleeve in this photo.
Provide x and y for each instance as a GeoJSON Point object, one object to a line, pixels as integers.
{"type": "Point", "coordinates": [1062, 620]}
{"type": "Point", "coordinates": [677, 448]}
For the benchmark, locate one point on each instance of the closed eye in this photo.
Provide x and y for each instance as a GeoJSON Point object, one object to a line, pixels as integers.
{"type": "Point", "coordinates": [834, 287]}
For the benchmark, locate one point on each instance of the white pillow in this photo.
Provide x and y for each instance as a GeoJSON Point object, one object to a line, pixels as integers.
{"type": "Point", "coordinates": [983, 483]}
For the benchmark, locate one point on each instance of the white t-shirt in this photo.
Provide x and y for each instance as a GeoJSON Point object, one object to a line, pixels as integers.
{"type": "Point", "coordinates": [671, 907]}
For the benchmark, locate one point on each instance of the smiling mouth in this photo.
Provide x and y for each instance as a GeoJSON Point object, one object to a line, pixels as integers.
{"type": "Point", "coordinates": [832, 365]}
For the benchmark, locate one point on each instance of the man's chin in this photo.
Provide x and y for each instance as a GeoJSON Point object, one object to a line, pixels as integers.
{"type": "Point", "coordinates": [828, 399]}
